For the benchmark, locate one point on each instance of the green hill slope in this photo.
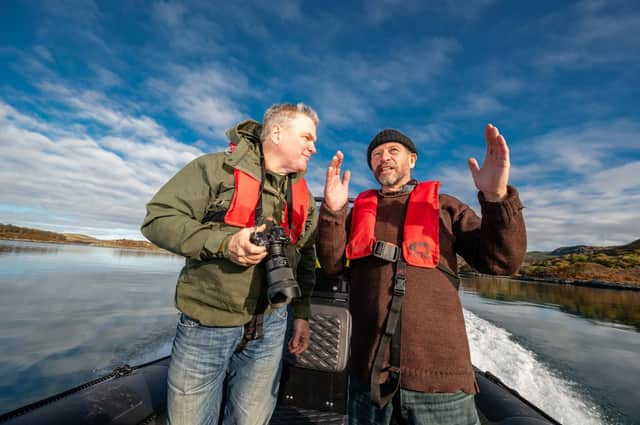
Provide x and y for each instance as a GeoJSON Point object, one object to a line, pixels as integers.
{"type": "Point", "coordinates": [613, 263]}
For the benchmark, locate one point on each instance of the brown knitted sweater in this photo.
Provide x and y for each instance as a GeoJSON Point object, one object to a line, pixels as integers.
{"type": "Point", "coordinates": [435, 351]}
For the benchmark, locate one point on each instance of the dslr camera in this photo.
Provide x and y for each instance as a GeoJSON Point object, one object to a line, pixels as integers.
{"type": "Point", "coordinates": [282, 287]}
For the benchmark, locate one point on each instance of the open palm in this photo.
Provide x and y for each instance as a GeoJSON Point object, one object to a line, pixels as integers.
{"type": "Point", "coordinates": [336, 190]}
{"type": "Point", "coordinates": [493, 177]}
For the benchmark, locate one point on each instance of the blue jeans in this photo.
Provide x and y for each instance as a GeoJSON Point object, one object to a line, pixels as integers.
{"type": "Point", "coordinates": [415, 408]}
{"type": "Point", "coordinates": [205, 373]}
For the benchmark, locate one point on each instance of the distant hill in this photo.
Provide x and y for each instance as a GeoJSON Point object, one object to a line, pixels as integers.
{"type": "Point", "coordinates": [570, 250]}
{"type": "Point", "coordinates": [585, 249]}
{"type": "Point", "coordinates": [618, 264]}
{"type": "Point", "coordinates": [11, 232]}
{"type": "Point", "coordinates": [610, 263]}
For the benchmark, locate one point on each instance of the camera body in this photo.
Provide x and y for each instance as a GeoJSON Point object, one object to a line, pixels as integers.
{"type": "Point", "coordinates": [282, 287]}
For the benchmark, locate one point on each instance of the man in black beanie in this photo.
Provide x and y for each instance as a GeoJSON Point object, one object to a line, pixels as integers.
{"type": "Point", "coordinates": [390, 135]}
{"type": "Point", "coordinates": [410, 355]}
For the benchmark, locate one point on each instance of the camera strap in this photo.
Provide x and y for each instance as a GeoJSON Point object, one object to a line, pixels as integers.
{"type": "Point", "coordinates": [252, 330]}
{"type": "Point", "coordinates": [259, 219]}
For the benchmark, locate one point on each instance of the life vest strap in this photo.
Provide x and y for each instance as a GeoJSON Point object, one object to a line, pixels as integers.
{"type": "Point", "coordinates": [382, 393]}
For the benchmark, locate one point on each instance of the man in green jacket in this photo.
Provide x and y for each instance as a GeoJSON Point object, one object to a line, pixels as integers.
{"type": "Point", "coordinates": [230, 335]}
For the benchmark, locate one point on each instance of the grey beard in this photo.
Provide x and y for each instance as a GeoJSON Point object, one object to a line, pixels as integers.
{"type": "Point", "coordinates": [390, 180]}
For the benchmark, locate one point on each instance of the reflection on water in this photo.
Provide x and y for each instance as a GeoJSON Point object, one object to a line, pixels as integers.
{"type": "Point", "coordinates": [140, 252]}
{"type": "Point", "coordinates": [72, 313]}
{"type": "Point", "coordinates": [28, 247]}
{"type": "Point", "coordinates": [608, 305]}
{"type": "Point", "coordinates": [7, 247]}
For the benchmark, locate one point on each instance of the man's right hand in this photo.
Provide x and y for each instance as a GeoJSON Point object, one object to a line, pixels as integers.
{"type": "Point", "coordinates": [336, 190]}
{"type": "Point", "coordinates": [242, 251]}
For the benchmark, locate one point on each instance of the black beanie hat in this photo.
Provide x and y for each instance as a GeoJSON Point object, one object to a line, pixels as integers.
{"type": "Point", "coordinates": [389, 135]}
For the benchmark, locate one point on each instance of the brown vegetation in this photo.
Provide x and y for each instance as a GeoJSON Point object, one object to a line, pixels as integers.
{"type": "Point", "coordinates": [11, 232]}
{"type": "Point", "coordinates": [619, 264]}
{"type": "Point", "coordinates": [613, 264]}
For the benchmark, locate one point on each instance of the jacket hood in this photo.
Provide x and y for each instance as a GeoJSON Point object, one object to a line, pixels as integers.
{"type": "Point", "coordinates": [248, 130]}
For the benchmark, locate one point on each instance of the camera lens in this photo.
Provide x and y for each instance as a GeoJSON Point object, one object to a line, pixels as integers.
{"type": "Point", "coordinates": [282, 287]}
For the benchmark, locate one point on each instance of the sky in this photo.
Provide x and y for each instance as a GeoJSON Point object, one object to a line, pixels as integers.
{"type": "Point", "coordinates": [101, 102]}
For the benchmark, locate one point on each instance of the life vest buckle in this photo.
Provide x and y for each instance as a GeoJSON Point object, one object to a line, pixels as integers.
{"type": "Point", "coordinates": [399, 285]}
{"type": "Point", "coordinates": [386, 251]}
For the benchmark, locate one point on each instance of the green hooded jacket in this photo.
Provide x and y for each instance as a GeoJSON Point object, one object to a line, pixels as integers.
{"type": "Point", "coordinates": [212, 289]}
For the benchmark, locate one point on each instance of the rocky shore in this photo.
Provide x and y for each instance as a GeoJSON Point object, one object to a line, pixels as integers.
{"type": "Point", "coordinates": [592, 283]}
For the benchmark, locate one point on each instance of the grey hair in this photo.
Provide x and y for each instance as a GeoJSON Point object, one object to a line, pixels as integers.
{"type": "Point", "coordinates": [281, 113]}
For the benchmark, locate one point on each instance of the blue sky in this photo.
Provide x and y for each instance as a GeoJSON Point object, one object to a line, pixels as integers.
{"type": "Point", "coordinates": [102, 102]}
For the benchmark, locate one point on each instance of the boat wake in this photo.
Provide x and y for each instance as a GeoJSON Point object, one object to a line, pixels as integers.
{"type": "Point", "coordinates": [493, 349]}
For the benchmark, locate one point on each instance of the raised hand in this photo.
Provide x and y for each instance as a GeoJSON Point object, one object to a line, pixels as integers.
{"type": "Point", "coordinates": [493, 177]}
{"type": "Point", "coordinates": [336, 190]}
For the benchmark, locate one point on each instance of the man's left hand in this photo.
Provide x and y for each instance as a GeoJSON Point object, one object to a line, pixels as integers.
{"type": "Point", "coordinates": [493, 177]}
{"type": "Point", "coordinates": [299, 342]}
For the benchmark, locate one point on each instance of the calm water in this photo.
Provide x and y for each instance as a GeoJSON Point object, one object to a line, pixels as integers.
{"type": "Point", "coordinates": [73, 313]}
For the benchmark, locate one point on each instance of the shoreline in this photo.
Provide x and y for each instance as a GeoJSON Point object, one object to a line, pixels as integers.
{"type": "Point", "coordinates": [603, 284]}
{"type": "Point", "coordinates": [97, 244]}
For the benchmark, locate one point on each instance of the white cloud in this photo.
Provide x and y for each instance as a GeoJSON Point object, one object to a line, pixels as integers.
{"type": "Point", "coordinates": [475, 104]}
{"type": "Point", "coordinates": [381, 11]}
{"type": "Point", "coordinates": [204, 97]}
{"type": "Point", "coordinates": [105, 77]}
{"type": "Point", "coordinates": [587, 149]}
{"type": "Point", "coordinates": [616, 180]}
{"type": "Point", "coordinates": [596, 204]}
{"type": "Point", "coordinates": [187, 30]}
{"type": "Point", "coordinates": [82, 182]}
{"type": "Point", "coordinates": [43, 53]}
{"type": "Point", "coordinates": [354, 87]}
{"type": "Point", "coordinates": [595, 33]}
{"type": "Point", "coordinates": [97, 107]}
{"type": "Point", "coordinates": [290, 10]}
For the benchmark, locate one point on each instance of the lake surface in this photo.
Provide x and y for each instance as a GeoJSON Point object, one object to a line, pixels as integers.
{"type": "Point", "coordinates": [573, 351]}
{"type": "Point", "coordinates": [73, 313]}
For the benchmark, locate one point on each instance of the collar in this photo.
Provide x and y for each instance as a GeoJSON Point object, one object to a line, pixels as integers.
{"type": "Point", "coordinates": [411, 184]}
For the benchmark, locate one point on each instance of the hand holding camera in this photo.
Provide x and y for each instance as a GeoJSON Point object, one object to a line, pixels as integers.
{"type": "Point", "coordinates": [242, 251]}
{"type": "Point", "coordinates": [282, 287]}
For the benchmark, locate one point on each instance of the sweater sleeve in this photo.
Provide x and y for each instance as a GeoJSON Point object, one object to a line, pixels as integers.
{"type": "Point", "coordinates": [306, 271]}
{"type": "Point", "coordinates": [332, 239]}
{"type": "Point", "coordinates": [497, 243]}
{"type": "Point", "coordinates": [174, 214]}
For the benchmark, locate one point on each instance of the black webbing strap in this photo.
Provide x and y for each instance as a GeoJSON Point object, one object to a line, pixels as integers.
{"type": "Point", "coordinates": [259, 219]}
{"type": "Point", "coordinates": [252, 330]}
{"type": "Point", "coordinates": [449, 274]}
{"type": "Point", "coordinates": [391, 338]}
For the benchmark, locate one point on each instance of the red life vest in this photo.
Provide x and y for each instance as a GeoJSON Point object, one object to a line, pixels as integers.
{"type": "Point", "coordinates": [420, 241]}
{"type": "Point", "coordinates": [241, 212]}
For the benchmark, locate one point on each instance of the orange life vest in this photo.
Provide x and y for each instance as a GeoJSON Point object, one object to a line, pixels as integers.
{"type": "Point", "coordinates": [241, 212]}
{"type": "Point", "coordinates": [420, 238]}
